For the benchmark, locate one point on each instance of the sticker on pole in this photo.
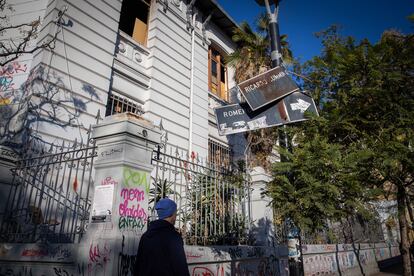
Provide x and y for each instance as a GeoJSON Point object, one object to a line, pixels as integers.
{"type": "Point", "coordinates": [267, 87]}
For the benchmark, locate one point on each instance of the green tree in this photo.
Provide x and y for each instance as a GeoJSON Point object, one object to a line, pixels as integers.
{"type": "Point", "coordinates": [363, 142]}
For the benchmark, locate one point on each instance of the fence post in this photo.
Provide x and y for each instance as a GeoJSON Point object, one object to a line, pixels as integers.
{"type": "Point", "coordinates": [8, 160]}
{"type": "Point", "coordinates": [119, 212]}
{"type": "Point", "coordinates": [262, 228]}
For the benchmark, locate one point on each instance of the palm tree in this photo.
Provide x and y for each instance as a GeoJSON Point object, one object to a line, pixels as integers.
{"type": "Point", "coordinates": [253, 54]}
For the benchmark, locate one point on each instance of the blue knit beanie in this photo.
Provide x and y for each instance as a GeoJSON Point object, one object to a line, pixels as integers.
{"type": "Point", "coordinates": [165, 208]}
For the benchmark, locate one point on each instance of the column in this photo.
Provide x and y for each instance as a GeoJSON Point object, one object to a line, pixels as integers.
{"type": "Point", "coordinates": [119, 211]}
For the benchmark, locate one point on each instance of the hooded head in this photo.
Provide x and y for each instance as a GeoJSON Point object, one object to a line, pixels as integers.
{"type": "Point", "coordinates": [165, 208]}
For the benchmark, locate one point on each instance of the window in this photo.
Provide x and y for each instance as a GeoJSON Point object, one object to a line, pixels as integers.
{"type": "Point", "coordinates": [134, 19]}
{"type": "Point", "coordinates": [218, 154]}
{"type": "Point", "coordinates": [217, 74]}
{"type": "Point", "coordinates": [120, 104]}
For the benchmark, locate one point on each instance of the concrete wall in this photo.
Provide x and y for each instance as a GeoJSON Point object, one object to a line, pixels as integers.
{"type": "Point", "coordinates": [341, 259]}
{"type": "Point", "coordinates": [63, 259]}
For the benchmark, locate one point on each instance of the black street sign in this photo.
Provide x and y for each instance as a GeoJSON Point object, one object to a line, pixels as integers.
{"type": "Point", "coordinates": [267, 87]}
{"type": "Point", "coordinates": [236, 118]}
{"type": "Point", "coordinates": [297, 104]}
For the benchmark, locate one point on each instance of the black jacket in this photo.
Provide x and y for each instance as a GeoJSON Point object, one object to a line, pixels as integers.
{"type": "Point", "coordinates": [161, 252]}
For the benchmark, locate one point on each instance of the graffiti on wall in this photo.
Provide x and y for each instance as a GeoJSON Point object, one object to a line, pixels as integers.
{"type": "Point", "coordinates": [7, 80]}
{"type": "Point", "coordinates": [57, 253]}
{"type": "Point", "coordinates": [126, 261]}
{"type": "Point", "coordinates": [109, 181]}
{"type": "Point", "coordinates": [133, 178]}
{"type": "Point", "coordinates": [18, 271]}
{"type": "Point", "coordinates": [99, 257]}
{"type": "Point", "coordinates": [320, 264]}
{"type": "Point", "coordinates": [348, 258]}
{"type": "Point", "coordinates": [233, 260]}
{"type": "Point", "coordinates": [132, 212]}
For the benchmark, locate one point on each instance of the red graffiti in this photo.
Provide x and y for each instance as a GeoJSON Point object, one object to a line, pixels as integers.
{"type": "Point", "coordinates": [132, 211]}
{"type": "Point", "coordinates": [126, 209]}
{"type": "Point", "coordinates": [109, 181]}
{"type": "Point", "coordinates": [12, 68]}
{"type": "Point", "coordinates": [204, 271]}
{"type": "Point", "coordinates": [132, 194]}
{"type": "Point", "coordinates": [192, 256]}
{"type": "Point", "coordinates": [34, 253]}
{"type": "Point", "coordinates": [7, 73]}
{"type": "Point", "coordinates": [75, 185]}
{"type": "Point", "coordinates": [98, 257]}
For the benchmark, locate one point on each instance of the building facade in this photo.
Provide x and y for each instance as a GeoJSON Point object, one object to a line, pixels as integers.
{"type": "Point", "coordinates": [161, 59]}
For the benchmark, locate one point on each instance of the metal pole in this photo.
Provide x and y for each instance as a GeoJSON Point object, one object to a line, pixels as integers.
{"type": "Point", "coordinates": [274, 34]}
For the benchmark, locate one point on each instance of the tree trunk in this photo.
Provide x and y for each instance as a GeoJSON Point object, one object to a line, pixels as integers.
{"type": "Point", "coordinates": [402, 220]}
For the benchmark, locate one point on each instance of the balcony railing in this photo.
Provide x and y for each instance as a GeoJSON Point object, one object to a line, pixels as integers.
{"type": "Point", "coordinates": [121, 104]}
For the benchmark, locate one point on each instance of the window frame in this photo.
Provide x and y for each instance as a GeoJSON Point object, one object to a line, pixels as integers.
{"type": "Point", "coordinates": [131, 32]}
{"type": "Point", "coordinates": [219, 59]}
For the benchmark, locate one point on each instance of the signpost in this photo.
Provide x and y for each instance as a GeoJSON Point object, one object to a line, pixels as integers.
{"type": "Point", "coordinates": [297, 104]}
{"type": "Point", "coordinates": [236, 118]}
{"type": "Point", "coordinates": [267, 87]}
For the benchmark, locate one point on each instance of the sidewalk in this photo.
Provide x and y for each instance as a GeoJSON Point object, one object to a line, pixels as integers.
{"type": "Point", "coordinates": [385, 274]}
{"type": "Point", "coordinates": [394, 270]}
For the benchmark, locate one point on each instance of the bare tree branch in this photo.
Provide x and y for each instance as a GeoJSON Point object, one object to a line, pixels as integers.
{"type": "Point", "coordinates": [18, 46]}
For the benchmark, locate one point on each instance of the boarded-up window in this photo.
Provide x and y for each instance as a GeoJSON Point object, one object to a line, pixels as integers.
{"type": "Point", "coordinates": [134, 19]}
{"type": "Point", "coordinates": [217, 75]}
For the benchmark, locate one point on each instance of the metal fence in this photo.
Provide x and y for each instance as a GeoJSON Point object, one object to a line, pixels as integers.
{"type": "Point", "coordinates": [212, 199]}
{"type": "Point", "coordinates": [49, 199]}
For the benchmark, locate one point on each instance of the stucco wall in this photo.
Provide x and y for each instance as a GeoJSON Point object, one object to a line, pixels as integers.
{"type": "Point", "coordinates": [63, 259]}
{"type": "Point", "coordinates": [341, 259]}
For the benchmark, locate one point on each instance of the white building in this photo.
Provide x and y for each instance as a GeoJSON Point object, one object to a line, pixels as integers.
{"type": "Point", "coordinates": [161, 57]}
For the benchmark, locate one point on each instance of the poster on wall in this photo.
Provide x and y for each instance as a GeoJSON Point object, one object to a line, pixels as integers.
{"type": "Point", "coordinates": [102, 203]}
{"type": "Point", "coordinates": [267, 87]}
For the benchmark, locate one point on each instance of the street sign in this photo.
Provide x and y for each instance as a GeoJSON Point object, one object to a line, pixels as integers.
{"type": "Point", "coordinates": [237, 118]}
{"type": "Point", "coordinates": [267, 87]}
{"type": "Point", "coordinates": [297, 104]}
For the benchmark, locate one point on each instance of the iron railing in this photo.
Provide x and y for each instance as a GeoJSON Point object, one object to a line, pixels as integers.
{"type": "Point", "coordinates": [121, 104]}
{"type": "Point", "coordinates": [50, 196]}
{"type": "Point", "coordinates": [212, 200]}
{"type": "Point", "coordinates": [218, 154]}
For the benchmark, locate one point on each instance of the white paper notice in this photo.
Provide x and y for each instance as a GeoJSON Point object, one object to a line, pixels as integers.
{"type": "Point", "coordinates": [102, 204]}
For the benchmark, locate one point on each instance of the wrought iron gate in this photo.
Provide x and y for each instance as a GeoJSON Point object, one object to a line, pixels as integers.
{"type": "Point", "coordinates": [212, 200]}
{"type": "Point", "coordinates": [49, 199]}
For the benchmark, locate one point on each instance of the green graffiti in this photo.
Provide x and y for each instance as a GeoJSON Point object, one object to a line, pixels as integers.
{"type": "Point", "coordinates": [131, 223]}
{"type": "Point", "coordinates": [134, 178]}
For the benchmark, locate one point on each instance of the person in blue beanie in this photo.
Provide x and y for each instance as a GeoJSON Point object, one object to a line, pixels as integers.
{"type": "Point", "coordinates": [161, 248]}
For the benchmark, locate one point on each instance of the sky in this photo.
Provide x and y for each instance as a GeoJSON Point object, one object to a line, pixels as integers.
{"type": "Point", "coordinates": [300, 19]}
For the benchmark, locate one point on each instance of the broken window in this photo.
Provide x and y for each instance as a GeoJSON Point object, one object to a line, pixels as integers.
{"type": "Point", "coordinates": [134, 19]}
